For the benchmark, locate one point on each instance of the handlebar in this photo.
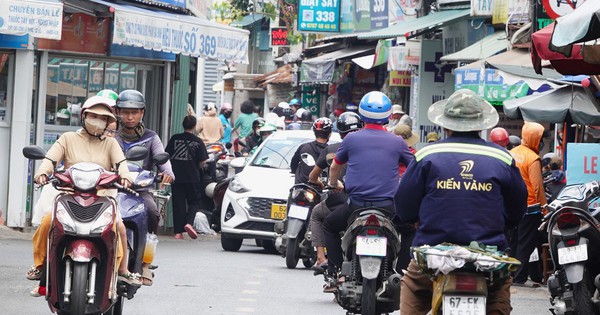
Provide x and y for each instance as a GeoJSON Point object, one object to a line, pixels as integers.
{"type": "Point", "coordinates": [129, 190]}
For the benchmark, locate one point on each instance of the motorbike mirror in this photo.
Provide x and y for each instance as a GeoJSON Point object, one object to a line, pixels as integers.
{"type": "Point", "coordinates": [136, 153]}
{"type": "Point", "coordinates": [161, 158]}
{"type": "Point", "coordinates": [34, 152]}
{"type": "Point", "coordinates": [307, 159]}
{"type": "Point", "coordinates": [228, 145]}
{"type": "Point", "coordinates": [238, 162]}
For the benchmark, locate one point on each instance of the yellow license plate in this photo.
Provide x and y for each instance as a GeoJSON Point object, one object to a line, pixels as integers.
{"type": "Point", "coordinates": [278, 211]}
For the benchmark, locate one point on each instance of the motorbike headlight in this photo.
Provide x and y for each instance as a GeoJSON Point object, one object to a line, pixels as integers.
{"type": "Point", "coordinates": [236, 185]}
{"type": "Point", "coordinates": [104, 220]}
{"type": "Point", "coordinates": [85, 180]}
{"type": "Point", "coordinates": [63, 216]}
{"type": "Point", "coordinates": [137, 209]}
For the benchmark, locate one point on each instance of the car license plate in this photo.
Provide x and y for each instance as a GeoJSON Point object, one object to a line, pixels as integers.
{"type": "Point", "coordinates": [567, 255]}
{"type": "Point", "coordinates": [278, 211]}
{"type": "Point", "coordinates": [472, 305]}
{"type": "Point", "coordinates": [298, 212]}
{"type": "Point", "coordinates": [371, 246]}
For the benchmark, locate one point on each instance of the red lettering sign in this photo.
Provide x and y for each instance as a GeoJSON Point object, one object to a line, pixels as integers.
{"type": "Point", "coordinates": [590, 167]}
{"type": "Point", "coordinates": [279, 36]}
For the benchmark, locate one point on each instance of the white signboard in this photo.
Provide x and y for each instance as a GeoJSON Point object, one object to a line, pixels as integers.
{"type": "Point", "coordinates": [185, 35]}
{"type": "Point", "coordinates": [481, 7]}
{"type": "Point", "coordinates": [38, 18]}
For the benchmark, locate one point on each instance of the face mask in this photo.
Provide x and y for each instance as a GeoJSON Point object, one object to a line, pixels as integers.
{"type": "Point", "coordinates": [541, 146]}
{"type": "Point", "coordinates": [227, 114]}
{"type": "Point", "coordinates": [95, 126]}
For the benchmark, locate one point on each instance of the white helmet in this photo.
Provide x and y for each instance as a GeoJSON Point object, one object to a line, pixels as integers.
{"type": "Point", "coordinates": [283, 105]}
{"type": "Point", "coordinates": [271, 118]}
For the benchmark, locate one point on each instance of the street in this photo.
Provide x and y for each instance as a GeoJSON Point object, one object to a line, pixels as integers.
{"type": "Point", "coordinates": [198, 277]}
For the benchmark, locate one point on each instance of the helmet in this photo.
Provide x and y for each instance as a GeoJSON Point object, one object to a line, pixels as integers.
{"type": "Point", "coordinates": [210, 106]}
{"type": "Point", "coordinates": [131, 99]}
{"type": "Point", "coordinates": [514, 141]}
{"type": "Point", "coordinates": [499, 136]}
{"type": "Point", "coordinates": [322, 127]}
{"type": "Point", "coordinates": [306, 116]}
{"type": "Point", "coordinates": [375, 108]}
{"type": "Point", "coordinates": [288, 113]}
{"type": "Point", "coordinates": [109, 94]}
{"type": "Point", "coordinates": [295, 102]}
{"type": "Point", "coordinates": [348, 121]}
{"type": "Point", "coordinates": [547, 158]}
{"type": "Point", "coordinates": [294, 126]}
{"type": "Point", "coordinates": [226, 107]}
{"type": "Point", "coordinates": [351, 107]}
{"type": "Point", "coordinates": [267, 128]}
{"type": "Point", "coordinates": [283, 105]}
{"type": "Point", "coordinates": [100, 106]}
{"type": "Point", "coordinates": [299, 112]}
{"type": "Point", "coordinates": [63, 113]}
{"type": "Point", "coordinates": [258, 122]}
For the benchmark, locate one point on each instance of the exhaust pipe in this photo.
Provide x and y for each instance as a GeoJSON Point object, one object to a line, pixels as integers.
{"type": "Point", "coordinates": [597, 282]}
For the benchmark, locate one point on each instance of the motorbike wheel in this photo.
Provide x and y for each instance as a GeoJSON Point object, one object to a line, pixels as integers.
{"type": "Point", "coordinates": [79, 293]}
{"type": "Point", "coordinates": [292, 253]}
{"type": "Point", "coordinates": [312, 258]}
{"type": "Point", "coordinates": [231, 244]}
{"type": "Point", "coordinates": [368, 301]}
{"type": "Point", "coordinates": [582, 293]}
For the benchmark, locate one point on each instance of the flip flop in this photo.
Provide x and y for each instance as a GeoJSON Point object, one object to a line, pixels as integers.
{"type": "Point", "coordinates": [147, 277]}
{"type": "Point", "coordinates": [190, 231]}
{"type": "Point", "coordinates": [131, 279]}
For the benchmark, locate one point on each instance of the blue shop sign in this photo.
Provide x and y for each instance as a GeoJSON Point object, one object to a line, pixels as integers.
{"type": "Point", "coordinates": [14, 41]}
{"type": "Point", "coordinates": [319, 15]}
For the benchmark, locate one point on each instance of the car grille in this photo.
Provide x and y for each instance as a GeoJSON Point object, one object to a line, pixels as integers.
{"type": "Point", "coordinates": [257, 226]}
{"type": "Point", "coordinates": [261, 207]}
{"type": "Point", "coordinates": [84, 214]}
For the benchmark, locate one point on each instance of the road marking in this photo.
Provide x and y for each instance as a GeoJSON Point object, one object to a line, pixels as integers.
{"type": "Point", "coordinates": [247, 300]}
{"type": "Point", "coordinates": [249, 291]}
{"type": "Point", "coordinates": [253, 282]}
{"type": "Point", "coordinates": [245, 309]}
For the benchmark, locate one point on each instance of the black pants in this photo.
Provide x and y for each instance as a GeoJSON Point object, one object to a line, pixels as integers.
{"type": "Point", "coordinates": [186, 203]}
{"type": "Point", "coordinates": [337, 222]}
{"type": "Point", "coordinates": [528, 238]}
{"type": "Point", "coordinates": [152, 209]}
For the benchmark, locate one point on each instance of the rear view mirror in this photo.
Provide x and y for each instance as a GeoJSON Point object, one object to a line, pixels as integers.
{"type": "Point", "coordinates": [34, 152]}
{"type": "Point", "coordinates": [136, 153]}
{"type": "Point", "coordinates": [161, 158]}
{"type": "Point", "coordinates": [238, 162]}
{"type": "Point", "coordinates": [308, 159]}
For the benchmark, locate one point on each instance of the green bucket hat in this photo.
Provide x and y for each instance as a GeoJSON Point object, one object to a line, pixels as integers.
{"type": "Point", "coordinates": [463, 111]}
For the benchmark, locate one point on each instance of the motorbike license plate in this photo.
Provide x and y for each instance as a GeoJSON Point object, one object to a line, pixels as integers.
{"type": "Point", "coordinates": [567, 255]}
{"type": "Point", "coordinates": [298, 212]}
{"type": "Point", "coordinates": [371, 246]}
{"type": "Point", "coordinates": [472, 305]}
{"type": "Point", "coordinates": [278, 211]}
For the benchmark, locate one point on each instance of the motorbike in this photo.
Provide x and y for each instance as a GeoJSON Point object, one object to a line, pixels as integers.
{"type": "Point", "coordinates": [574, 243]}
{"type": "Point", "coordinates": [461, 275]}
{"type": "Point", "coordinates": [216, 171]}
{"type": "Point", "coordinates": [81, 273]}
{"type": "Point", "coordinates": [135, 218]}
{"type": "Point", "coordinates": [371, 245]}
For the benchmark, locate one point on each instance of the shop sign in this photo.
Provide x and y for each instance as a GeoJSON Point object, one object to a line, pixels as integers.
{"type": "Point", "coordinates": [347, 16]}
{"type": "Point", "coordinates": [403, 57]}
{"type": "Point", "coordinates": [173, 3]}
{"type": "Point", "coordinates": [400, 78]}
{"type": "Point", "coordinates": [311, 99]}
{"type": "Point", "coordinates": [81, 33]}
{"type": "Point", "coordinates": [279, 36]}
{"type": "Point", "coordinates": [492, 87]}
{"type": "Point", "coordinates": [481, 7]}
{"type": "Point", "coordinates": [179, 36]}
{"type": "Point", "coordinates": [370, 15]}
{"type": "Point", "coordinates": [583, 162]}
{"type": "Point", "coordinates": [15, 41]}
{"type": "Point", "coordinates": [38, 19]}
{"type": "Point", "coordinates": [319, 15]}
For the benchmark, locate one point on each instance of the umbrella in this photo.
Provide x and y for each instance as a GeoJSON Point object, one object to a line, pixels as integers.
{"type": "Point", "coordinates": [555, 106]}
{"type": "Point", "coordinates": [565, 65]}
{"type": "Point", "coordinates": [581, 25]}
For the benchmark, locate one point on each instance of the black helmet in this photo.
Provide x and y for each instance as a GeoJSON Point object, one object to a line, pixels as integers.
{"type": "Point", "coordinates": [513, 141]}
{"type": "Point", "coordinates": [131, 99]}
{"type": "Point", "coordinates": [322, 127]}
{"type": "Point", "coordinates": [306, 116]}
{"type": "Point", "coordinates": [348, 121]}
{"type": "Point", "coordinates": [288, 113]}
{"type": "Point", "coordinates": [258, 122]}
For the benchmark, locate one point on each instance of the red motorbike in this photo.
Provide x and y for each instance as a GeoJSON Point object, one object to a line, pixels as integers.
{"type": "Point", "coordinates": [81, 259]}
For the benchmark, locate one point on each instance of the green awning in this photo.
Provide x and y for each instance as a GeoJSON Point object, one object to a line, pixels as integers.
{"type": "Point", "coordinates": [248, 20]}
{"type": "Point", "coordinates": [486, 47]}
{"type": "Point", "coordinates": [430, 21]}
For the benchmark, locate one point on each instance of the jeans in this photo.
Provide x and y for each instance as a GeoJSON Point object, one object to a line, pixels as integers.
{"type": "Point", "coordinates": [152, 210]}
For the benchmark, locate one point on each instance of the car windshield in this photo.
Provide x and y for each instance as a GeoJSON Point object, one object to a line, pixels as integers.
{"type": "Point", "coordinates": [277, 153]}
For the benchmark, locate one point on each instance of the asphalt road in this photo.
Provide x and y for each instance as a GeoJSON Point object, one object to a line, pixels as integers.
{"type": "Point", "coordinates": [198, 277]}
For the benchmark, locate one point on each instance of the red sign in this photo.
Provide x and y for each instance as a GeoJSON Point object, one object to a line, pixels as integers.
{"type": "Point", "coordinates": [279, 36]}
{"type": "Point", "coordinates": [80, 33]}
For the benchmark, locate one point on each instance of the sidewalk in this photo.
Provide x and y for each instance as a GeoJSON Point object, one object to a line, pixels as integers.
{"type": "Point", "coordinates": [7, 233]}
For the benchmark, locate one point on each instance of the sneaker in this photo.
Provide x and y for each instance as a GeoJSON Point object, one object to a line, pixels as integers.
{"type": "Point", "coordinates": [38, 291]}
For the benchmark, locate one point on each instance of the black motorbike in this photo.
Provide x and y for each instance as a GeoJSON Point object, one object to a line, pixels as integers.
{"type": "Point", "coordinates": [574, 242]}
{"type": "Point", "coordinates": [215, 173]}
{"type": "Point", "coordinates": [371, 245]}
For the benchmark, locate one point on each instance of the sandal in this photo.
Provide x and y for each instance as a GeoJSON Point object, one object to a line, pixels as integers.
{"type": "Point", "coordinates": [131, 279]}
{"type": "Point", "coordinates": [190, 231]}
{"type": "Point", "coordinates": [147, 277]}
{"type": "Point", "coordinates": [34, 273]}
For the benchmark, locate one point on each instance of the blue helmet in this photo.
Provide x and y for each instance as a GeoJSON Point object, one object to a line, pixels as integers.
{"type": "Point", "coordinates": [294, 126]}
{"type": "Point", "coordinates": [295, 102]}
{"type": "Point", "coordinates": [375, 108]}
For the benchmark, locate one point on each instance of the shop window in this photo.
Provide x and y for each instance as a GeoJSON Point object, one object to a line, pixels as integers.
{"type": "Point", "coordinates": [127, 76]}
{"type": "Point", "coordinates": [96, 77]}
{"type": "Point", "coordinates": [5, 64]}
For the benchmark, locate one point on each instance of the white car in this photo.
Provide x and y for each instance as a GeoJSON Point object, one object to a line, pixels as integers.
{"type": "Point", "coordinates": [257, 196]}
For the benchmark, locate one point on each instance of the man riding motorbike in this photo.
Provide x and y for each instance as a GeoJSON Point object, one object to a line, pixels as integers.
{"type": "Point", "coordinates": [322, 130]}
{"type": "Point", "coordinates": [462, 167]}
{"type": "Point", "coordinates": [252, 140]}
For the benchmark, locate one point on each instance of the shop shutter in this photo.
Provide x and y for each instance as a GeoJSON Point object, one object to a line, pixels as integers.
{"type": "Point", "coordinates": [211, 77]}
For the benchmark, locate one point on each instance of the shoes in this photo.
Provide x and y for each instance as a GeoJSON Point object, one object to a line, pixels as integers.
{"type": "Point", "coordinates": [327, 288]}
{"type": "Point", "coordinates": [132, 279]}
{"type": "Point", "coordinates": [38, 291]}
{"type": "Point", "coordinates": [34, 273]}
{"type": "Point", "coordinates": [190, 231]}
{"type": "Point", "coordinates": [178, 236]}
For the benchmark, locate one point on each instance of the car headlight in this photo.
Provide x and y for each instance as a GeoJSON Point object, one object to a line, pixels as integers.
{"type": "Point", "coordinates": [63, 216]}
{"type": "Point", "coordinates": [104, 220]}
{"type": "Point", "coordinates": [85, 180]}
{"type": "Point", "coordinates": [236, 185]}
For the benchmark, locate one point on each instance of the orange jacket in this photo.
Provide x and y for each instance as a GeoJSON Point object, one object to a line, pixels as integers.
{"type": "Point", "coordinates": [529, 163]}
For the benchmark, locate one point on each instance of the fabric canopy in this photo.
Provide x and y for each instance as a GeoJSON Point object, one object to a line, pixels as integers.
{"type": "Point", "coordinates": [320, 69]}
{"type": "Point", "coordinates": [581, 25]}
{"type": "Point", "coordinates": [566, 103]}
{"type": "Point", "coordinates": [572, 65]}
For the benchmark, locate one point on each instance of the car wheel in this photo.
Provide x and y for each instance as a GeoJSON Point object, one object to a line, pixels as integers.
{"type": "Point", "coordinates": [269, 246]}
{"type": "Point", "coordinates": [231, 244]}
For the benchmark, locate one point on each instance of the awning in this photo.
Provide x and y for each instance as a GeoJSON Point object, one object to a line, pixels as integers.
{"type": "Point", "coordinates": [516, 62]}
{"type": "Point", "coordinates": [176, 33]}
{"type": "Point", "coordinates": [581, 25]}
{"type": "Point", "coordinates": [378, 58]}
{"type": "Point", "coordinates": [37, 18]}
{"type": "Point", "coordinates": [430, 21]}
{"type": "Point", "coordinates": [248, 20]}
{"type": "Point", "coordinates": [320, 69]}
{"type": "Point", "coordinates": [556, 106]}
{"type": "Point", "coordinates": [484, 48]}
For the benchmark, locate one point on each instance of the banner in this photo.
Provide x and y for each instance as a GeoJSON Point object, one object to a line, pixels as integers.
{"type": "Point", "coordinates": [400, 78]}
{"type": "Point", "coordinates": [38, 18]}
{"type": "Point", "coordinates": [319, 15]}
{"type": "Point", "coordinates": [582, 162]}
{"type": "Point", "coordinates": [193, 37]}
{"type": "Point", "coordinates": [317, 71]}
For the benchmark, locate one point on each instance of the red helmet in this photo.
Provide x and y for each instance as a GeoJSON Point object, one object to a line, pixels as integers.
{"type": "Point", "coordinates": [499, 136]}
